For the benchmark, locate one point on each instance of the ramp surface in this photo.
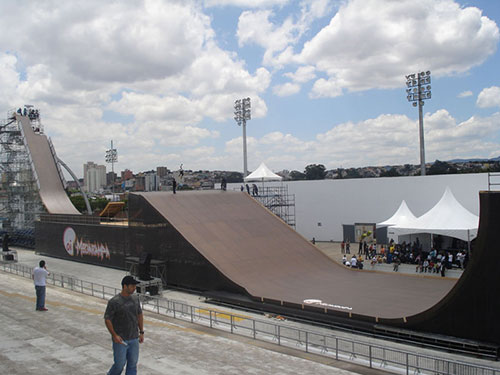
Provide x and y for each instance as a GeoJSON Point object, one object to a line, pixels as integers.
{"type": "Point", "coordinates": [52, 191]}
{"type": "Point", "coordinates": [259, 252]}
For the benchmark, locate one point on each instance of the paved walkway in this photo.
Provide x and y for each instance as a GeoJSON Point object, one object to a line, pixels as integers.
{"type": "Point", "coordinates": [71, 339]}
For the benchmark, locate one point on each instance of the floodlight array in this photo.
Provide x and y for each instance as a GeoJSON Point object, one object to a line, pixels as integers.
{"type": "Point", "coordinates": [111, 155]}
{"type": "Point", "coordinates": [418, 87]}
{"type": "Point", "coordinates": [242, 111]}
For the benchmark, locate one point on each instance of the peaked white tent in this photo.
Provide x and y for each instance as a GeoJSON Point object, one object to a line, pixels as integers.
{"type": "Point", "coordinates": [448, 217]}
{"type": "Point", "coordinates": [262, 174]}
{"type": "Point", "coordinates": [402, 217]}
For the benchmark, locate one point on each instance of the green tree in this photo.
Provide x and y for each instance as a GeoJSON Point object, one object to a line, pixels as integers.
{"type": "Point", "coordinates": [340, 174]}
{"type": "Point", "coordinates": [95, 203]}
{"type": "Point", "coordinates": [352, 173]}
{"type": "Point", "coordinates": [296, 175]}
{"type": "Point", "coordinates": [315, 172]}
{"type": "Point", "coordinates": [234, 177]}
{"type": "Point", "coordinates": [78, 202]}
{"type": "Point", "coordinates": [441, 167]}
{"type": "Point", "coordinates": [98, 203]}
{"type": "Point", "coordinates": [390, 173]}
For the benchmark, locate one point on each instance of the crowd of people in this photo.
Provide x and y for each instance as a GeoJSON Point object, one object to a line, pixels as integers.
{"type": "Point", "coordinates": [255, 189]}
{"type": "Point", "coordinates": [33, 114]}
{"type": "Point", "coordinates": [432, 261]}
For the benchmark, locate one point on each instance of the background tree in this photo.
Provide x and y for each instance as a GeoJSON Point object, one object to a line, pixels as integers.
{"type": "Point", "coordinates": [78, 202]}
{"type": "Point", "coordinates": [390, 173]}
{"type": "Point", "coordinates": [352, 173]}
{"type": "Point", "coordinates": [95, 203]}
{"type": "Point", "coordinates": [441, 167]}
{"type": "Point", "coordinates": [234, 177]}
{"type": "Point", "coordinates": [296, 175]}
{"type": "Point", "coordinates": [315, 172]}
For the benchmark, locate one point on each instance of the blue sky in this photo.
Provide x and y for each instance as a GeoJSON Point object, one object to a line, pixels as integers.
{"type": "Point", "coordinates": [326, 80]}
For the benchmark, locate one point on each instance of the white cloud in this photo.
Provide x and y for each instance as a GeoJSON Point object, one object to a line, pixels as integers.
{"type": "Point", "coordinates": [464, 94]}
{"type": "Point", "coordinates": [303, 74]}
{"type": "Point", "coordinates": [151, 76]}
{"type": "Point", "coordinates": [286, 89]}
{"type": "Point", "coordinates": [108, 42]}
{"type": "Point", "coordinates": [388, 139]}
{"type": "Point", "coordinates": [257, 27]}
{"type": "Point", "coordinates": [156, 62]}
{"type": "Point", "coordinates": [489, 97]}
{"type": "Point", "coordinates": [246, 3]}
{"type": "Point", "coordinates": [9, 78]}
{"type": "Point", "coordinates": [372, 43]}
{"type": "Point", "coordinates": [323, 87]}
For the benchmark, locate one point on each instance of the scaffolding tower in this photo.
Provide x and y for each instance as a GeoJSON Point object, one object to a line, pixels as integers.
{"type": "Point", "coordinates": [20, 203]}
{"type": "Point", "coordinates": [277, 200]}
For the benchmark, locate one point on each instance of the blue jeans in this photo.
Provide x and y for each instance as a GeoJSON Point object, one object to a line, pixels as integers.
{"type": "Point", "coordinates": [128, 354]}
{"type": "Point", "coordinates": [40, 297]}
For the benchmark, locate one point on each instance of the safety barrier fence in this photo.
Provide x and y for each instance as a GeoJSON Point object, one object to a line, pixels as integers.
{"type": "Point", "coordinates": [327, 345]}
{"type": "Point", "coordinates": [493, 180]}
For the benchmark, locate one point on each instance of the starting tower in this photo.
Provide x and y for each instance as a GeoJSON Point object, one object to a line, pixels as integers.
{"type": "Point", "coordinates": [20, 203]}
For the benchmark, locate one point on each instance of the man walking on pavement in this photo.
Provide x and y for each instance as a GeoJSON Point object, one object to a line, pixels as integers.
{"type": "Point", "coordinates": [124, 320]}
{"type": "Point", "coordinates": [40, 274]}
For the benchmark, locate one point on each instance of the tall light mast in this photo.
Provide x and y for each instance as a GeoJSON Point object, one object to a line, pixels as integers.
{"type": "Point", "coordinates": [419, 89]}
{"type": "Point", "coordinates": [242, 113]}
{"type": "Point", "coordinates": [112, 157]}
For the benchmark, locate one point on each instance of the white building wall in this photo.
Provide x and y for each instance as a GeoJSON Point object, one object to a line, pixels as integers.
{"type": "Point", "coordinates": [372, 200]}
{"type": "Point", "coordinates": [94, 176]}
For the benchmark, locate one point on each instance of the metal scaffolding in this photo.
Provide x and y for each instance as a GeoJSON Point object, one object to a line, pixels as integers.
{"type": "Point", "coordinates": [279, 202]}
{"type": "Point", "coordinates": [20, 203]}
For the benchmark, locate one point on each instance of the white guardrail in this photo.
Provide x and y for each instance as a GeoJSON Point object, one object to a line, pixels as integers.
{"type": "Point", "coordinates": [331, 346]}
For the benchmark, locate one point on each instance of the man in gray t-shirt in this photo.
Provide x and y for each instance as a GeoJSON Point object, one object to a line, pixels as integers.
{"type": "Point", "coordinates": [124, 321]}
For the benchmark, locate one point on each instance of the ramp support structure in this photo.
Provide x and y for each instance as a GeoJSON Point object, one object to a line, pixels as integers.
{"type": "Point", "coordinates": [85, 198]}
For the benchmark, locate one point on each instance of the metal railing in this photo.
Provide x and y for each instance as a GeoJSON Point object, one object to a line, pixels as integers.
{"type": "Point", "coordinates": [493, 179]}
{"type": "Point", "coordinates": [327, 345]}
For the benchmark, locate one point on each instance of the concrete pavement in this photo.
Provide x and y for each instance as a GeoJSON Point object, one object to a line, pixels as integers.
{"type": "Point", "coordinates": [71, 338]}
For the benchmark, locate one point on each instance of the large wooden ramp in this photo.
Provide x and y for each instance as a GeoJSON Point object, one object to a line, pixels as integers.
{"type": "Point", "coordinates": [52, 191]}
{"type": "Point", "coordinates": [472, 307]}
{"type": "Point", "coordinates": [259, 252]}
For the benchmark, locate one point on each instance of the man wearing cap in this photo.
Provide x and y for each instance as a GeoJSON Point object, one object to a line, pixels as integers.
{"type": "Point", "coordinates": [124, 320]}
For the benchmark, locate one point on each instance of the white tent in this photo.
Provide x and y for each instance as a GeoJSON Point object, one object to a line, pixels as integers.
{"type": "Point", "coordinates": [402, 217]}
{"type": "Point", "coordinates": [448, 217]}
{"type": "Point", "coordinates": [262, 174]}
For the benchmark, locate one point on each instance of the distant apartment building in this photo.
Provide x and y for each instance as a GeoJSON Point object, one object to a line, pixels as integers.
{"type": "Point", "coordinates": [139, 182]}
{"type": "Point", "coordinates": [111, 177]}
{"type": "Point", "coordinates": [151, 181]}
{"type": "Point", "coordinates": [162, 171]}
{"type": "Point", "coordinates": [94, 177]}
{"type": "Point", "coordinates": [127, 175]}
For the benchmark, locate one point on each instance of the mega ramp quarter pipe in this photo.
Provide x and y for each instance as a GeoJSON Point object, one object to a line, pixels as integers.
{"type": "Point", "coordinates": [227, 245]}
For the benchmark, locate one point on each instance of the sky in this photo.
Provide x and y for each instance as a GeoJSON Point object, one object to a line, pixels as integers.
{"type": "Point", "coordinates": [326, 80]}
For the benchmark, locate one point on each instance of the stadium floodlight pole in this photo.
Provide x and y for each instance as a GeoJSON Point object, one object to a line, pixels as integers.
{"type": "Point", "coordinates": [112, 157]}
{"type": "Point", "coordinates": [418, 89]}
{"type": "Point", "coordinates": [242, 113]}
